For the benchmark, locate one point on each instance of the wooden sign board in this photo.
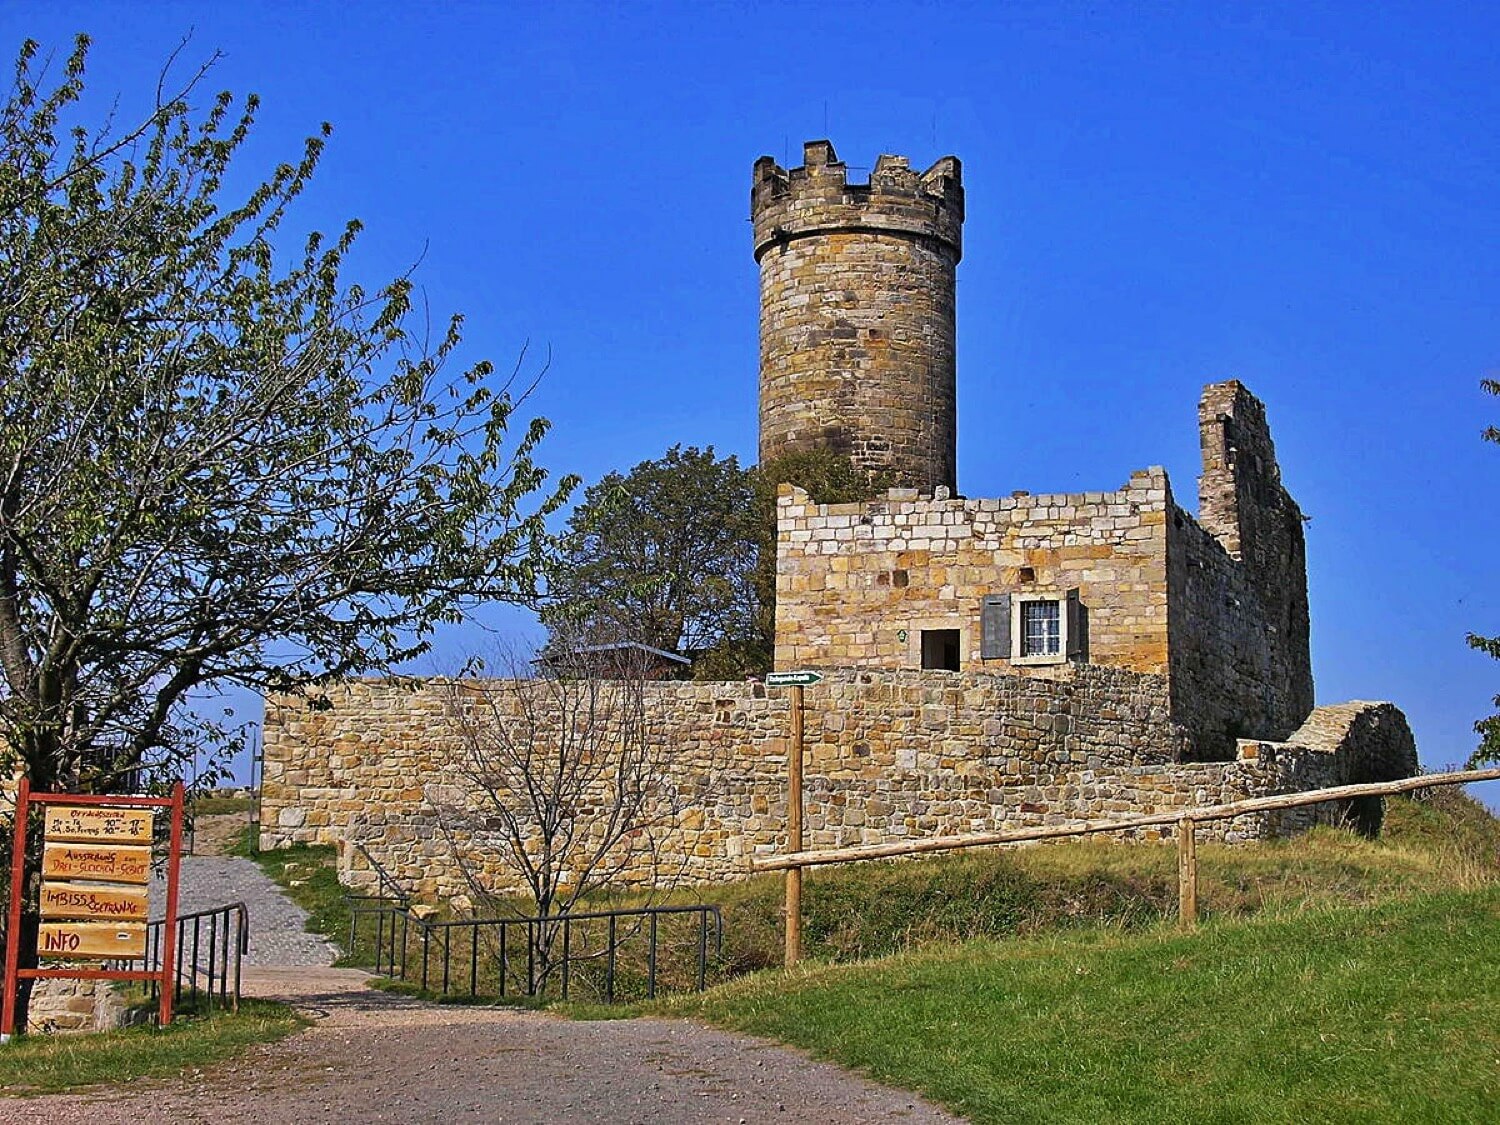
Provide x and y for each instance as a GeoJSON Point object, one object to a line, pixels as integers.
{"type": "Point", "coordinates": [92, 939]}
{"type": "Point", "coordinates": [99, 823]}
{"type": "Point", "coordinates": [105, 863]}
{"type": "Point", "coordinates": [93, 903]}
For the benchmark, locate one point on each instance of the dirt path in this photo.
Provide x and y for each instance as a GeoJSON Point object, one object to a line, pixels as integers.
{"type": "Point", "coordinates": [371, 1056]}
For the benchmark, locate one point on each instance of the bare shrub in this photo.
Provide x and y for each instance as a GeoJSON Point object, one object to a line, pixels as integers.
{"type": "Point", "coordinates": [569, 787]}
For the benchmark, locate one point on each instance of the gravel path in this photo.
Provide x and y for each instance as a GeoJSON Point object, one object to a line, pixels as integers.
{"type": "Point", "coordinates": [374, 1056]}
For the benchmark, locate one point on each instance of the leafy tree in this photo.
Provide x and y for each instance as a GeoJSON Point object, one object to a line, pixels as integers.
{"type": "Point", "coordinates": [828, 478]}
{"type": "Point", "coordinates": [680, 553]}
{"type": "Point", "coordinates": [663, 555]}
{"type": "Point", "coordinates": [217, 467]}
{"type": "Point", "coordinates": [1488, 729]}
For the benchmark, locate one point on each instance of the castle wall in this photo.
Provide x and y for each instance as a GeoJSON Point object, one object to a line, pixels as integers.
{"type": "Point", "coordinates": [856, 584]}
{"type": "Point", "coordinates": [1241, 663]}
{"type": "Point", "coordinates": [889, 755]}
{"type": "Point", "coordinates": [857, 312]}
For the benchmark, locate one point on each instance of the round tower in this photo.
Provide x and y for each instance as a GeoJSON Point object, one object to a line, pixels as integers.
{"type": "Point", "coordinates": [856, 312]}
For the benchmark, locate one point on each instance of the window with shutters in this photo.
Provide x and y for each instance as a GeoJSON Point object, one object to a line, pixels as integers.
{"type": "Point", "coordinates": [1044, 628]}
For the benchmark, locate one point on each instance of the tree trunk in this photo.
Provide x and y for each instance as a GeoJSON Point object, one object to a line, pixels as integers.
{"type": "Point", "coordinates": [41, 770]}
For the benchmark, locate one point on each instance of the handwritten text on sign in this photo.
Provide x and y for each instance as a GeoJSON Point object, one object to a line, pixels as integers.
{"type": "Point", "coordinates": [105, 864]}
{"type": "Point", "coordinates": [92, 939]}
{"type": "Point", "coordinates": [88, 903]}
{"type": "Point", "coordinates": [98, 823]}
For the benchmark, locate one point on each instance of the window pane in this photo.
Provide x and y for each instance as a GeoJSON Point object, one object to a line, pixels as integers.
{"type": "Point", "coordinates": [1041, 628]}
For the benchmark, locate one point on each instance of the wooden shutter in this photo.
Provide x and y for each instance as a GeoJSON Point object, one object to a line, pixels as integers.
{"type": "Point", "coordinates": [1077, 627]}
{"type": "Point", "coordinates": [994, 627]}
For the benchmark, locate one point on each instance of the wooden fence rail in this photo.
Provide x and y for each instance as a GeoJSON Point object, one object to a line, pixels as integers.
{"type": "Point", "coordinates": [1186, 821]}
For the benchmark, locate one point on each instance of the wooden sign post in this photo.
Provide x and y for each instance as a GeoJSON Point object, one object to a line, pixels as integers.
{"type": "Point", "coordinates": [1187, 872]}
{"type": "Point", "coordinates": [96, 867]}
{"type": "Point", "coordinates": [797, 681]}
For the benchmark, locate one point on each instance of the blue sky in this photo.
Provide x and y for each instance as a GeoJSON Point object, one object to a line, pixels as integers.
{"type": "Point", "coordinates": [1300, 196]}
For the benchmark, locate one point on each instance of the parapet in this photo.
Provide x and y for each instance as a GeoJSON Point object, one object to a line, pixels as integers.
{"type": "Point", "coordinates": [818, 198]}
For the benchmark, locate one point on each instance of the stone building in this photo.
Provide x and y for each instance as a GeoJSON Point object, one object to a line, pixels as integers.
{"type": "Point", "coordinates": [990, 662]}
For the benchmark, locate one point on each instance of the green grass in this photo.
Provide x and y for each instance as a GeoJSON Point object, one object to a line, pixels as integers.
{"type": "Point", "coordinates": [1333, 1013]}
{"type": "Point", "coordinates": [1335, 978]}
{"type": "Point", "coordinates": [45, 1064]}
{"type": "Point", "coordinates": [873, 909]}
{"type": "Point", "coordinates": [219, 806]}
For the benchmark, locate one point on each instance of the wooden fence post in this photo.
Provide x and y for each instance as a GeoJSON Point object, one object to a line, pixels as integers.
{"type": "Point", "coordinates": [1187, 872]}
{"type": "Point", "coordinates": [794, 834]}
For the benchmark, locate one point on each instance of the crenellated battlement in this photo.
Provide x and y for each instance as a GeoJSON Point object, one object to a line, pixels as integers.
{"type": "Point", "coordinates": [857, 312]}
{"type": "Point", "coordinates": [817, 198]}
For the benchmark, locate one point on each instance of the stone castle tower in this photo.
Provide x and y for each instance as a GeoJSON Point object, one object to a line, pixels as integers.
{"type": "Point", "coordinates": [857, 312]}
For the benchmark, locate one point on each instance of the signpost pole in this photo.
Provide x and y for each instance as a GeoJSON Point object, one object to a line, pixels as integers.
{"type": "Point", "coordinates": [169, 920]}
{"type": "Point", "coordinates": [13, 924]}
{"type": "Point", "coordinates": [794, 833]}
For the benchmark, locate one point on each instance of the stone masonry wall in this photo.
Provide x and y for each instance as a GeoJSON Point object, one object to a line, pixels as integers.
{"type": "Point", "coordinates": [1219, 608]}
{"type": "Point", "coordinates": [889, 755]}
{"type": "Point", "coordinates": [1241, 663]}
{"type": "Point", "coordinates": [857, 583]}
{"type": "Point", "coordinates": [857, 312]}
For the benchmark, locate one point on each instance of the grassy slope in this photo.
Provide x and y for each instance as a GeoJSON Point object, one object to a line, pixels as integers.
{"type": "Point", "coordinates": [1337, 978]}
{"type": "Point", "coordinates": [873, 909]}
{"type": "Point", "coordinates": [1331, 1013]}
{"type": "Point", "coordinates": [42, 1064]}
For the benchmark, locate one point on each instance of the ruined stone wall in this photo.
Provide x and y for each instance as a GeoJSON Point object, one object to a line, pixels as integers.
{"type": "Point", "coordinates": [889, 755]}
{"type": "Point", "coordinates": [1241, 663]}
{"type": "Point", "coordinates": [856, 584]}
{"type": "Point", "coordinates": [857, 312]}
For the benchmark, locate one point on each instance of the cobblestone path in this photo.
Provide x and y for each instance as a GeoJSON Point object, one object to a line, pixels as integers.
{"type": "Point", "coordinates": [278, 934]}
{"type": "Point", "coordinates": [278, 927]}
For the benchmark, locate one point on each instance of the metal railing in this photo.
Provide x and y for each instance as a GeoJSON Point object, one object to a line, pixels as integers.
{"type": "Point", "coordinates": [390, 890]}
{"type": "Point", "coordinates": [616, 954]}
{"type": "Point", "coordinates": [210, 947]}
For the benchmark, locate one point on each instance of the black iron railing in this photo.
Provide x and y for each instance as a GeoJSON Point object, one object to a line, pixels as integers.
{"type": "Point", "coordinates": [210, 947]}
{"type": "Point", "coordinates": [609, 954]}
{"type": "Point", "coordinates": [390, 890]}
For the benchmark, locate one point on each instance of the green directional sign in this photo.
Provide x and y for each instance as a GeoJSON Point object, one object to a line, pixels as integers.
{"type": "Point", "coordinates": [792, 679]}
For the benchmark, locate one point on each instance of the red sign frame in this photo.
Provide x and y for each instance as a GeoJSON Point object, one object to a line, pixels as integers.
{"type": "Point", "coordinates": [14, 974]}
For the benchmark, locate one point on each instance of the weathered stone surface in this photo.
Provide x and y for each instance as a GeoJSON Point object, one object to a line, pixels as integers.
{"type": "Point", "coordinates": [1223, 619]}
{"type": "Point", "coordinates": [1241, 665]}
{"type": "Point", "coordinates": [59, 1005]}
{"type": "Point", "coordinates": [889, 755]}
{"type": "Point", "coordinates": [857, 312]}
